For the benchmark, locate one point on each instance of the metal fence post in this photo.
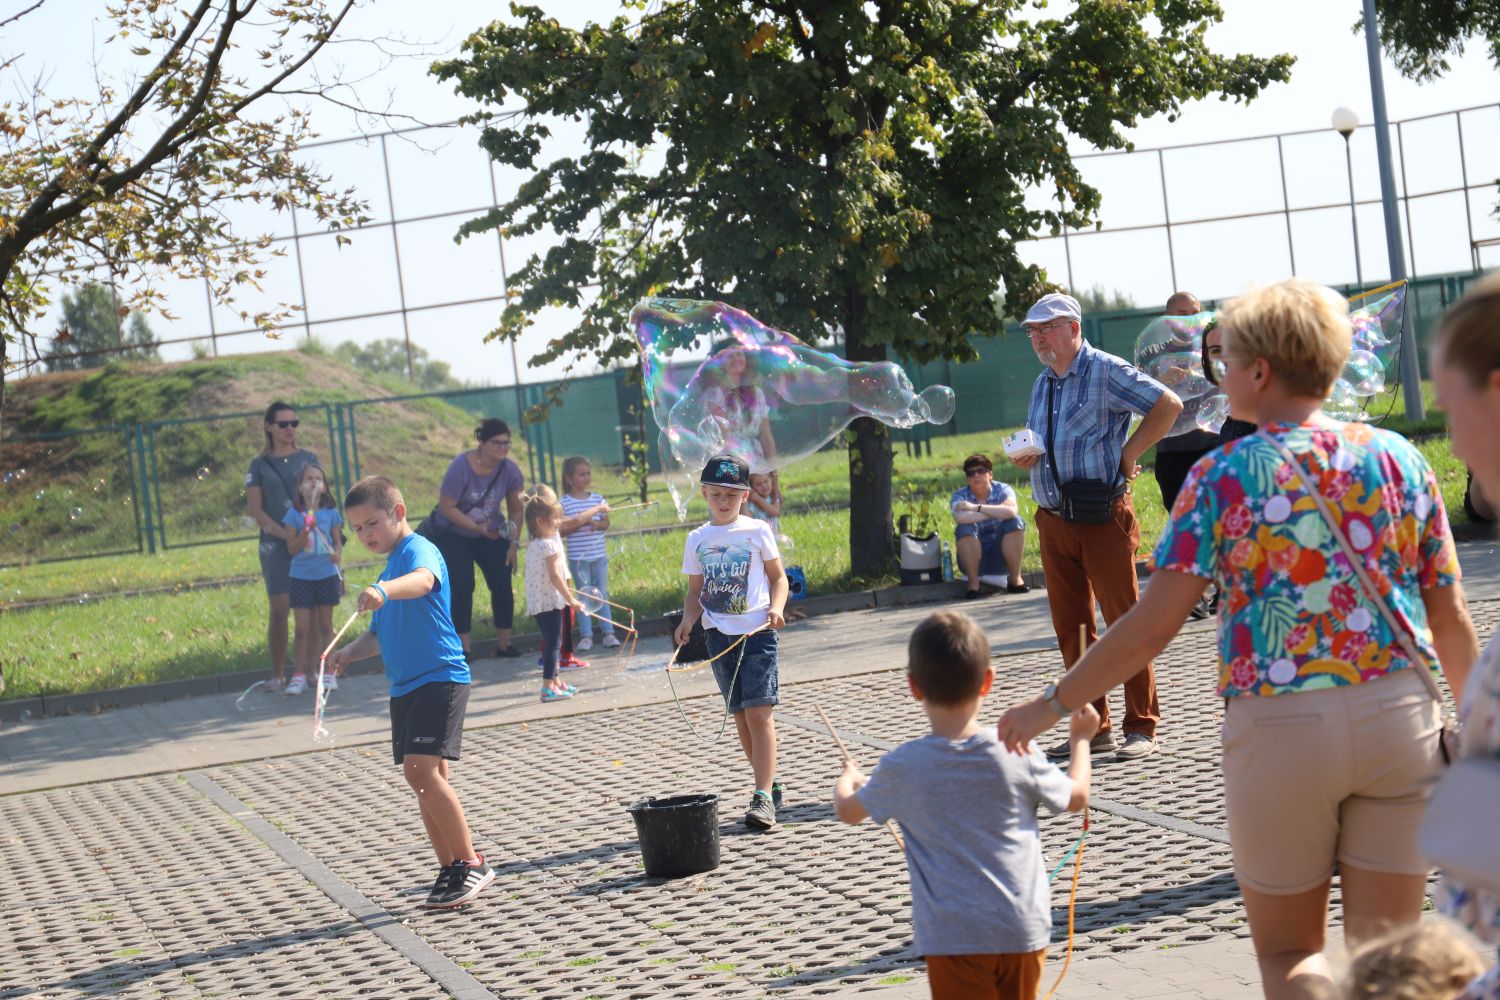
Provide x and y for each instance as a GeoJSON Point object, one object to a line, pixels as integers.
{"type": "Point", "coordinates": [143, 495]}
{"type": "Point", "coordinates": [161, 518]}
{"type": "Point", "coordinates": [128, 437]}
{"type": "Point", "coordinates": [1166, 215]}
{"type": "Point", "coordinates": [390, 200]}
{"type": "Point", "coordinates": [1286, 208]}
{"type": "Point", "coordinates": [354, 443]}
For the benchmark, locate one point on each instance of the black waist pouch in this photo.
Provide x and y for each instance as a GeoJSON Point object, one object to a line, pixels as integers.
{"type": "Point", "coordinates": [1087, 501]}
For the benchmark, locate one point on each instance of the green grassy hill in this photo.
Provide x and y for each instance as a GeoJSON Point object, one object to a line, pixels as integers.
{"type": "Point", "coordinates": [71, 471]}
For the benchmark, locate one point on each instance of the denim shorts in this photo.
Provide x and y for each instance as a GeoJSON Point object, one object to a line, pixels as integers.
{"type": "Point", "coordinates": [991, 558]}
{"type": "Point", "coordinates": [756, 684]}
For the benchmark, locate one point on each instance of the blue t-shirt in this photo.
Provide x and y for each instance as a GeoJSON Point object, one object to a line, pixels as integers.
{"type": "Point", "coordinates": [968, 809]}
{"type": "Point", "coordinates": [312, 563]}
{"type": "Point", "coordinates": [417, 640]}
{"type": "Point", "coordinates": [988, 530]}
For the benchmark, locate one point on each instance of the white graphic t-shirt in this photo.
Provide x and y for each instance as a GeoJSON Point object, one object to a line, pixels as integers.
{"type": "Point", "coordinates": [731, 559]}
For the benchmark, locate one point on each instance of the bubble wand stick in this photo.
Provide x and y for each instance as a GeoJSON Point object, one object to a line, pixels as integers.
{"type": "Point", "coordinates": [320, 697]}
{"type": "Point", "coordinates": [843, 750]}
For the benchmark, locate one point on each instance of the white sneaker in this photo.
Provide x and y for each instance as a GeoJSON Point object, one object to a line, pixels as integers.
{"type": "Point", "coordinates": [584, 643]}
{"type": "Point", "coordinates": [296, 685]}
{"type": "Point", "coordinates": [610, 639]}
{"type": "Point", "coordinates": [330, 682]}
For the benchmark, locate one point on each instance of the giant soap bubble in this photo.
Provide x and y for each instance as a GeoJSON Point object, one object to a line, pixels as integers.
{"type": "Point", "coordinates": [1170, 350]}
{"type": "Point", "coordinates": [761, 393]}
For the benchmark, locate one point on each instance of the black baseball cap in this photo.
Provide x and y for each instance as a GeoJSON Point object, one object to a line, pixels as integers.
{"type": "Point", "coordinates": [728, 471]}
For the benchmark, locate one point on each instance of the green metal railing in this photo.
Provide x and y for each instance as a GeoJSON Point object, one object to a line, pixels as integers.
{"type": "Point", "coordinates": [81, 493]}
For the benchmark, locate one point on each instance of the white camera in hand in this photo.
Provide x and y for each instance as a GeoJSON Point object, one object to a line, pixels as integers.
{"type": "Point", "coordinates": [1024, 443]}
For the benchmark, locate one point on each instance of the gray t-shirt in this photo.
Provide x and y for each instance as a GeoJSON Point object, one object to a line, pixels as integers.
{"type": "Point", "coordinates": [276, 475]}
{"type": "Point", "coordinates": [473, 494]}
{"type": "Point", "coordinates": [968, 810]}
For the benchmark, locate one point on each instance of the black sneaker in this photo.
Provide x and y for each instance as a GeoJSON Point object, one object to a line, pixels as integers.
{"type": "Point", "coordinates": [762, 812]}
{"type": "Point", "coordinates": [776, 795]}
{"type": "Point", "coordinates": [1102, 743]}
{"type": "Point", "coordinates": [508, 652]}
{"type": "Point", "coordinates": [445, 874]}
{"type": "Point", "coordinates": [465, 881]}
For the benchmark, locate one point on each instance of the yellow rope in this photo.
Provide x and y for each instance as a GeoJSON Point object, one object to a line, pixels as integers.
{"type": "Point", "coordinates": [1072, 907]}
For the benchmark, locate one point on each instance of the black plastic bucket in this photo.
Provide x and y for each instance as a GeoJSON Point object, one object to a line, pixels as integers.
{"type": "Point", "coordinates": [678, 835]}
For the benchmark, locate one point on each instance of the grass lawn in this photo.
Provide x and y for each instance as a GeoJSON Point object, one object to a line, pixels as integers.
{"type": "Point", "coordinates": [189, 632]}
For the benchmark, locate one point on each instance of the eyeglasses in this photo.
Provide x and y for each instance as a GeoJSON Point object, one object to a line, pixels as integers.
{"type": "Point", "coordinates": [499, 442]}
{"type": "Point", "coordinates": [284, 424]}
{"type": "Point", "coordinates": [976, 471]}
{"type": "Point", "coordinates": [1041, 329]}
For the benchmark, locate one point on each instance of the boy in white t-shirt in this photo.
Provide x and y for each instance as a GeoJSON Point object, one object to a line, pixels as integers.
{"type": "Point", "coordinates": [736, 583]}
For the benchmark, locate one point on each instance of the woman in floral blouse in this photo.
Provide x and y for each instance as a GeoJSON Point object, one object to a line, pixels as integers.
{"type": "Point", "coordinates": [1466, 374]}
{"type": "Point", "coordinates": [1330, 737]}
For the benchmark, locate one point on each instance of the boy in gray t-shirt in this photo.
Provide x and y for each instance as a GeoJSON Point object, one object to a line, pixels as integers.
{"type": "Point", "coordinates": [980, 907]}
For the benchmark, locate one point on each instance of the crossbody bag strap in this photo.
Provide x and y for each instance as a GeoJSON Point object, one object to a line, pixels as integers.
{"type": "Point", "coordinates": [1051, 432]}
{"type": "Point", "coordinates": [487, 490]}
{"type": "Point", "coordinates": [1403, 637]}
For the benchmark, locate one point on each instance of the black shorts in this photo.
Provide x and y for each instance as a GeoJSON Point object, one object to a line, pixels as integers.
{"type": "Point", "coordinates": [324, 593]}
{"type": "Point", "coordinates": [429, 721]}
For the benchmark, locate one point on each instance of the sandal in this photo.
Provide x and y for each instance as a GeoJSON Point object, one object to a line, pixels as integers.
{"type": "Point", "coordinates": [550, 695]}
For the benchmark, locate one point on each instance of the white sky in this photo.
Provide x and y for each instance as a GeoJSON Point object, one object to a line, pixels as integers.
{"type": "Point", "coordinates": [1213, 259]}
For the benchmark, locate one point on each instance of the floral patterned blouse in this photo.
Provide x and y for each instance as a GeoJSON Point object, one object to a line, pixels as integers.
{"type": "Point", "coordinates": [1293, 616]}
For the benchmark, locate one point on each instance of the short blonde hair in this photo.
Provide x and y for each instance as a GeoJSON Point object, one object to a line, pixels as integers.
{"type": "Point", "coordinates": [1301, 328]}
{"type": "Point", "coordinates": [1431, 960]}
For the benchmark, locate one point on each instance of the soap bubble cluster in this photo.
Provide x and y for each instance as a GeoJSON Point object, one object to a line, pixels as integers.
{"type": "Point", "coordinates": [761, 393]}
{"type": "Point", "coordinates": [1170, 350]}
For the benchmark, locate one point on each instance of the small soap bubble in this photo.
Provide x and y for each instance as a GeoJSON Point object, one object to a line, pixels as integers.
{"type": "Point", "coordinates": [99, 485]}
{"type": "Point", "coordinates": [203, 473]}
{"type": "Point", "coordinates": [75, 513]}
{"type": "Point", "coordinates": [10, 477]}
{"type": "Point", "coordinates": [247, 522]}
{"type": "Point", "coordinates": [40, 496]}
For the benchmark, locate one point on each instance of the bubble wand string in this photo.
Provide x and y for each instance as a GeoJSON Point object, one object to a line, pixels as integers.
{"type": "Point", "coordinates": [724, 722]}
{"type": "Point", "coordinates": [320, 696]}
{"type": "Point", "coordinates": [1083, 646]}
{"type": "Point", "coordinates": [838, 742]}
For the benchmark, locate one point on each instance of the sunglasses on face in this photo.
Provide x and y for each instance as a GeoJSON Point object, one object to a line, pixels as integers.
{"type": "Point", "coordinates": [284, 424]}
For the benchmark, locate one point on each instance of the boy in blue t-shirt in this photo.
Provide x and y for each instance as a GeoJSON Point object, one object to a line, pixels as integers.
{"type": "Point", "coordinates": [413, 633]}
{"type": "Point", "coordinates": [980, 908]}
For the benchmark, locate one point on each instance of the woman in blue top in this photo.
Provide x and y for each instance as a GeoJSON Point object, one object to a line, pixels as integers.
{"type": "Point", "coordinates": [988, 531]}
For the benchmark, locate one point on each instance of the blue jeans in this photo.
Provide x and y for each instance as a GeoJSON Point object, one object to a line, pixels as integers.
{"type": "Point", "coordinates": [756, 683]}
{"type": "Point", "coordinates": [592, 573]}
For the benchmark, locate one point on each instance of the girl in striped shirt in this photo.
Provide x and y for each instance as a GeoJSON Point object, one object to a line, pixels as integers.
{"type": "Point", "coordinates": [586, 555]}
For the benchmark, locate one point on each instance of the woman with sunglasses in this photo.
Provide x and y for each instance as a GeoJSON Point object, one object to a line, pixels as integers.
{"type": "Point", "coordinates": [1213, 367]}
{"type": "Point", "coordinates": [479, 506]}
{"type": "Point", "coordinates": [270, 487]}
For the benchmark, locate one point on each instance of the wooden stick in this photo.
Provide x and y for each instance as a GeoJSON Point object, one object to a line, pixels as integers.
{"type": "Point", "coordinates": [889, 824]}
{"type": "Point", "coordinates": [633, 506]}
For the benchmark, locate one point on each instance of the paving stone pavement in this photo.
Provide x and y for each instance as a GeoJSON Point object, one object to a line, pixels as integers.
{"type": "Point", "coordinates": [238, 860]}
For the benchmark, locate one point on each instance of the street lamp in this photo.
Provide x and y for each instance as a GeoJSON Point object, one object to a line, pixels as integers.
{"type": "Point", "coordinates": [1345, 121]}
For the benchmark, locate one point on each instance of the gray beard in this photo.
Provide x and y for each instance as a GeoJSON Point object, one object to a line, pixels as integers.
{"type": "Point", "coordinates": [1047, 358]}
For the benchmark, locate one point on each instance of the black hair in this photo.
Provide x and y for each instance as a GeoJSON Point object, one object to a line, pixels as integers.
{"type": "Point", "coordinates": [489, 427]}
{"type": "Point", "coordinates": [271, 412]}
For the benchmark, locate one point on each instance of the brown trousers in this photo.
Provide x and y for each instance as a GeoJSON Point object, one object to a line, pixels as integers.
{"type": "Point", "coordinates": [985, 977]}
{"type": "Point", "coordinates": [1084, 560]}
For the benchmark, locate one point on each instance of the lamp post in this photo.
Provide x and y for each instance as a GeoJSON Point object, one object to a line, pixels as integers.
{"type": "Point", "coordinates": [1345, 121]}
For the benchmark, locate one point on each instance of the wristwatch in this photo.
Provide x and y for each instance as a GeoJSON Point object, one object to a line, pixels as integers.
{"type": "Point", "coordinates": [1049, 695]}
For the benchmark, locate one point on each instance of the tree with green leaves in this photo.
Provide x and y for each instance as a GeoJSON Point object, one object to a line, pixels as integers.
{"type": "Point", "coordinates": [96, 328]}
{"type": "Point", "coordinates": [866, 169]}
{"type": "Point", "coordinates": [389, 357]}
{"type": "Point", "coordinates": [136, 179]}
{"type": "Point", "coordinates": [1420, 35]}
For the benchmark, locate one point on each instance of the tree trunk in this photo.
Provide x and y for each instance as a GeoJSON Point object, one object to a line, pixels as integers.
{"type": "Point", "coordinates": [872, 537]}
